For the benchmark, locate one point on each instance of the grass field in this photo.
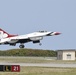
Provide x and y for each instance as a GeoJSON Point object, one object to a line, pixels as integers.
{"type": "Point", "coordinates": [33, 60]}
{"type": "Point", "coordinates": [42, 71]}
{"type": "Point", "coordinates": [38, 70]}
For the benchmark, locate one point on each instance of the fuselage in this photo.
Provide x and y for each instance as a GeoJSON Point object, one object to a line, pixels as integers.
{"type": "Point", "coordinates": [35, 37]}
{"type": "Point", "coordinates": [31, 35]}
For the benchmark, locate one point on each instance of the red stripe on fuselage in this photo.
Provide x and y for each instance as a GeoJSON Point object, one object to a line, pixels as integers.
{"type": "Point", "coordinates": [11, 35]}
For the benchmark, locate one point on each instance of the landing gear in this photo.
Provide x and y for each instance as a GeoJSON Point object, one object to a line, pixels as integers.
{"type": "Point", "coordinates": [21, 46]}
{"type": "Point", "coordinates": [40, 44]}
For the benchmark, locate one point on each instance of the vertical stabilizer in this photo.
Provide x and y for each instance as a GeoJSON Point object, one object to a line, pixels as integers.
{"type": "Point", "coordinates": [4, 34]}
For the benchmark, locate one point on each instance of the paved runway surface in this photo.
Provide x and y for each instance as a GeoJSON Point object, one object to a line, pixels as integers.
{"type": "Point", "coordinates": [41, 64]}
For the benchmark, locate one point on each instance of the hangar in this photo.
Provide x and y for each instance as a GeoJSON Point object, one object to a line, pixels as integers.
{"type": "Point", "coordinates": [66, 54]}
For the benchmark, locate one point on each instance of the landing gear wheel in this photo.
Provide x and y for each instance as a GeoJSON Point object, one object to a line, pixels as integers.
{"type": "Point", "coordinates": [40, 44]}
{"type": "Point", "coordinates": [21, 46]}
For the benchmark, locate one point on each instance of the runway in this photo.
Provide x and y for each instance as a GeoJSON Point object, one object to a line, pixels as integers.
{"type": "Point", "coordinates": [42, 64]}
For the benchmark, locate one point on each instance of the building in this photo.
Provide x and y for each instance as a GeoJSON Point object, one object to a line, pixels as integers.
{"type": "Point", "coordinates": [66, 54]}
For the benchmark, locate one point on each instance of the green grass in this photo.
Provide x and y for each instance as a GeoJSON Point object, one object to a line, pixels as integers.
{"type": "Point", "coordinates": [38, 70]}
{"type": "Point", "coordinates": [42, 71]}
{"type": "Point", "coordinates": [22, 59]}
{"type": "Point", "coordinates": [33, 60]}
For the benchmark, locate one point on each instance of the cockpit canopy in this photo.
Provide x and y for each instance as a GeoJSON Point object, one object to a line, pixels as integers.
{"type": "Point", "coordinates": [42, 31]}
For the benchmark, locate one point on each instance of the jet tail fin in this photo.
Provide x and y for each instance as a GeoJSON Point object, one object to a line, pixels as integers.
{"type": "Point", "coordinates": [1, 30]}
{"type": "Point", "coordinates": [4, 34]}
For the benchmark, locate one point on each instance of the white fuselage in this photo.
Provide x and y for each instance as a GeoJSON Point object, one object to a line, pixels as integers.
{"type": "Point", "coordinates": [6, 38]}
{"type": "Point", "coordinates": [35, 37]}
{"type": "Point", "coordinates": [32, 36]}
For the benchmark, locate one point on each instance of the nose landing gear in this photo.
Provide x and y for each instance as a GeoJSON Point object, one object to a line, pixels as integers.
{"type": "Point", "coordinates": [40, 44]}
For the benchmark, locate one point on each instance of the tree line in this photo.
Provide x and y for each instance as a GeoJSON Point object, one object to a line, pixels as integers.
{"type": "Point", "coordinates": [28, 52]}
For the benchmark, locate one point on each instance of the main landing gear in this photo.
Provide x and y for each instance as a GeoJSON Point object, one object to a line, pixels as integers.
{"type": "Point", "coordinates": [21, 46]}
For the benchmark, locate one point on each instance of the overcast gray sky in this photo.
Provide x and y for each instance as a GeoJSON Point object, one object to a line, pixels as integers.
{"type": "Point", "coordinates": [26, 16]}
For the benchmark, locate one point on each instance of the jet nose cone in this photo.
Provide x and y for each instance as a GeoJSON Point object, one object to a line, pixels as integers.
{"type": "Point", "coordinates": [57, 33]}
